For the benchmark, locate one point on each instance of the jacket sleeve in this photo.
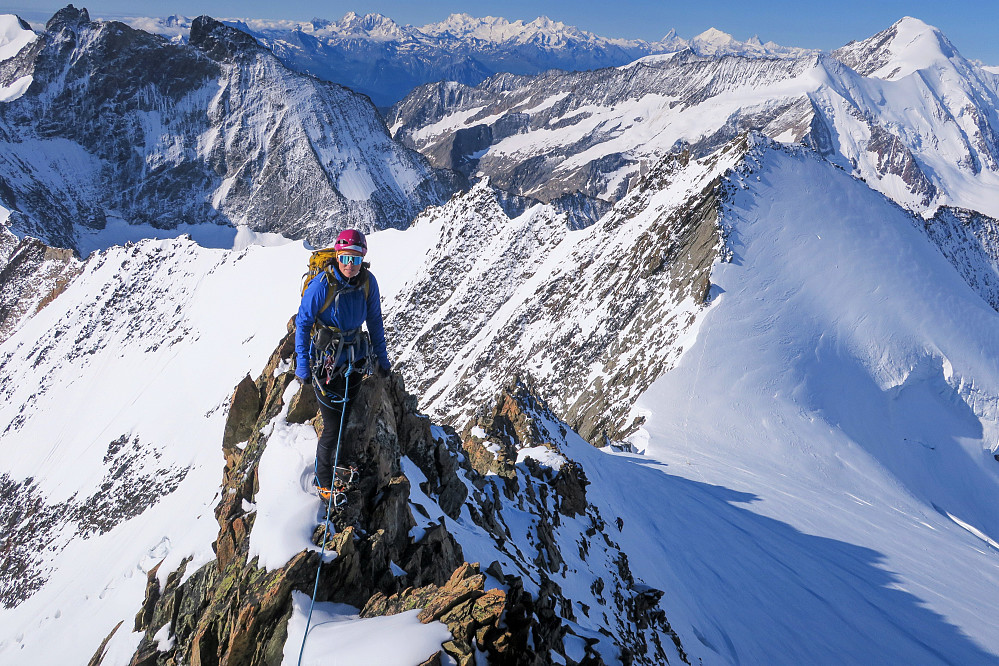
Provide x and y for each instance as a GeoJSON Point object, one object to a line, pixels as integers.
{"type": "Point", "coordinates": [312, 301]}
{"type": "Point", "coordinates": [376, 326]}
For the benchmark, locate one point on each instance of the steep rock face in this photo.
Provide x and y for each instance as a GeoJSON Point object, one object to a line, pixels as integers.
{"type": "Point", "coordinates": [32, 275]}
{"type": "Point", "coordinates": [592, 316]}
{"type": "Point", "coordinates": [923, 131]}
{"type": "Point", "coordinates": [970, 241]}
{"type": "Point", "coordinates": [121, 123]}
{"type": "Point", "coordinates": [397, 550]}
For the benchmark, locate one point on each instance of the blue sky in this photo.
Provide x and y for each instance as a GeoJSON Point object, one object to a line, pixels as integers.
{"type": "Point", "coordinates": [970, 25]}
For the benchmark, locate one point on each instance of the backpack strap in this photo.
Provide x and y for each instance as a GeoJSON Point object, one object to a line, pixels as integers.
{"type": "Point", "coordinates": [333, 288]}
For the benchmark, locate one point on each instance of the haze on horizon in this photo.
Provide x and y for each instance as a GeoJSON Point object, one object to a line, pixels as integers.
{"type": "Point", "coordinates": [969, 25]}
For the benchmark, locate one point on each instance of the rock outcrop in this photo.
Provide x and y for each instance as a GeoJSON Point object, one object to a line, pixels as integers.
{"type": "Point", "coordinates": [32, 274]}
{"type": "Point", "coordinates": [395, 550]}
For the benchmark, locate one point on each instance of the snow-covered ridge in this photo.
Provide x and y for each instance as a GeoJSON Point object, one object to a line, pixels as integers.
{"type": "Point", "coordinates": [841, 399]}
{"type": "Point", "coordinates": [14, 36]}
{"type": "Point", "coordinates": [574, 309]}
{"type": "Point", "coordinates": [908, 46]}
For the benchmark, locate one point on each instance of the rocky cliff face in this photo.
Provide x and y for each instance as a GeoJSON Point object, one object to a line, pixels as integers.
{"type": "Point", "coordinates": [399, 547]}
{"type": "Point", "coordinates": [592, 316]}
{"type": "Point", "coordinates": [119, 123]}
{"type": "Point", "coordinates": [970, 241]}
{"type": "Point", "coordinates": [31, 275]}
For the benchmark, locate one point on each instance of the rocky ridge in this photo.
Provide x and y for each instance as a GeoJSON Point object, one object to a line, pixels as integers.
{"type": "Point", "coordinates": [31, 275]}
{"type": "Point", "coordinates": [121, 124]}
{"type": "Point", "coordinates": [594, 316]}
{"type": "Point", "coordinates": [523, 608]}
{"type": "Point", "coordinates": [591, 316]}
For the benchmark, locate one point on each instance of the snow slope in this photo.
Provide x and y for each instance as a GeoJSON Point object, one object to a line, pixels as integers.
{"type": "Point", "coordinates": [114, 402]}
{"type": "Point", "coordinates": [14, 36]}
{"type": "Point", "coordinates": [815, 452]}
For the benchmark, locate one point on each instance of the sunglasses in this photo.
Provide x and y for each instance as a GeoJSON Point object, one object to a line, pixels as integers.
{"type": "Point", "coordinates": [347, 259]}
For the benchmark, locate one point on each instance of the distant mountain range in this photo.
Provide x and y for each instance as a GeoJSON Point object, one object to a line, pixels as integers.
{"type": "Point", "coordinates": [902, 110]}
{"type": "Point", "coordinates": [375, 55]}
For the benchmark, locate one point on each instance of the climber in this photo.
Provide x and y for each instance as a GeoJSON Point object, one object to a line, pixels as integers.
{"type": "Point", "coordinates": [331, 350]}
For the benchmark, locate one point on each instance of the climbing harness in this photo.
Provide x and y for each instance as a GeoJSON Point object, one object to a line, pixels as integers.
{"type": "Point", "coordinates": [329, 503]}
{"type": "Point", "coordinates": [332, 351]}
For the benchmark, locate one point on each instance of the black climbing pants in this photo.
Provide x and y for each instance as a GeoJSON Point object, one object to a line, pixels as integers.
{"type": "Point", "coordinates": [332, 406]}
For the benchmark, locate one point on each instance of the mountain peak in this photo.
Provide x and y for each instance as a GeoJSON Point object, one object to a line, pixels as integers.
{"type": "Point", "coordinates": [908, 46]}
{"type": "Point", "coordinates": [913, 24]}
{"type": "Point", "coordinates": [714, 42]}
{"type": "Point", "coordinates": [372, 26]}
{"type": "Point", "coordinates": [68, 17]}
{"type": "Point", "coordinates": [15, 34]}
{"type": "Point", "coordinates": [219, 40]}
{"type": "Point", "coordinates": [714, 35]}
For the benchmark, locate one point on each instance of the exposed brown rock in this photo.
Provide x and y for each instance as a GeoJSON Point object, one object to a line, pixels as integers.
{"type": "Point", "coordinates": [303, 406]}
{"type": "Point", "coordinates": [98, 657]}
{"type": "Point", "coordinates": [31, 277]}
{"type": "Point", "coordinates": [144, 616]}
{"type": "Point", "coordinates": [466, 583]}
{"type": "Point", "coordinates": [244, 408]}
{"type": "Point", "coordinates": [435, 660]}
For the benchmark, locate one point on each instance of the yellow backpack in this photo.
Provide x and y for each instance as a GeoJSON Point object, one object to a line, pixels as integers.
{"type": "Point", "coordinates": [321, 261]}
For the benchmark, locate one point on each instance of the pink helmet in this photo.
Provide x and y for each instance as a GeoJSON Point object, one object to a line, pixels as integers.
{"type": "Point", "coordinates": [351, 239]}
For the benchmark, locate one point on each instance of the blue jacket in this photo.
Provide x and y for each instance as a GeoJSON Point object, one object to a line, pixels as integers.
{"type": "Point", "coordinates": [349, 313]}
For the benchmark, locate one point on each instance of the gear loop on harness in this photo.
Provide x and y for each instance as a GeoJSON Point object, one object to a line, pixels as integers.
{"type": "Point", "coordinates": [334, 353]}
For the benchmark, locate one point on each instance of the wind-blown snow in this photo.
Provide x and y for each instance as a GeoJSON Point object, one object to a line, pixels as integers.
{"type": "Point", "coordinates": [84, 380]}
{"type": "Point", "coordinates": [338, 635]}
{"type": "Point", "coordinates": [806, 454]}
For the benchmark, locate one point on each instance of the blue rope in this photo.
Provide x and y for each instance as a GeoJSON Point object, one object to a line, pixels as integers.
{"type": "Point", "coordinates": [329, 506]}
